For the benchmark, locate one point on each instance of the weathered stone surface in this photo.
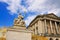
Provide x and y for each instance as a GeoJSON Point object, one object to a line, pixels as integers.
{"type": "Point", "coordinates": [15, 35]}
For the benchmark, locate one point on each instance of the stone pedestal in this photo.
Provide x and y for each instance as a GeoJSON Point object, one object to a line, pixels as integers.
{"type": "Point", "coordinates": [18, 34]}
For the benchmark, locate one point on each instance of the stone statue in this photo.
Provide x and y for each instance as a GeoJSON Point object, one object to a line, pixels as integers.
{"type": "Point", "coordinates": [19, 21]}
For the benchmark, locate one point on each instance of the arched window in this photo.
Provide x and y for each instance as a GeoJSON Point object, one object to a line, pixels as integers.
{"type": "Point", "coordinates": [57, 39]}
{"type": "Point", "coordinates": [50, 39]}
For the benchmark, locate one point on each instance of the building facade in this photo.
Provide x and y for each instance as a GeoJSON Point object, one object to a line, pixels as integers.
{"type": "Point", "coordinates": [43, 27]}
{"type": "Point", "coordinates": [47, 25]}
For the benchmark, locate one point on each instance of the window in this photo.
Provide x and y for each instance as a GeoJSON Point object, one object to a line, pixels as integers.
{"type": "Point", "coordinates": [56, 39]}
{"type": "Point", "coordinates": [50, 39]}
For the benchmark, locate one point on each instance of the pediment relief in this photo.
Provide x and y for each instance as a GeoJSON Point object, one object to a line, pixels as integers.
{"type": "Point", "coordinates": [52, 15]}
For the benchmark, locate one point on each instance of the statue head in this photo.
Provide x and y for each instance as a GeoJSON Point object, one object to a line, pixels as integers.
{"type": "Point", "coordinates": [20, 16]}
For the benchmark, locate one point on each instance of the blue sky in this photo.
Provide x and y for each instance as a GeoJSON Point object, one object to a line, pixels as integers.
{"type": "Point", "coordinates": [9, 10]}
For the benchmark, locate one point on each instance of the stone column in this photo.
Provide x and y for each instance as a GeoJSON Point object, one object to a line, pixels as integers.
{"type": "Point", "coordinates": [56, 27]}
{"type": "Point", "coordinates": [59, 28]}
{"type": "Point", "coordinates": [35, 29]}
{"type": "Point", "coordinates": [45, 26]}
{"type": "Point", "coordinates": [51, 26]}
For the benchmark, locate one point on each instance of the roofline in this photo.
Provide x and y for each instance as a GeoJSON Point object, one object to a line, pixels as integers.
{"type": "Point", "coordinates": [42, 16]}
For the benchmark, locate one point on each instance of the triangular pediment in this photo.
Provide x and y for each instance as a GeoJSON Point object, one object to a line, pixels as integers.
{"type": "Point", "coordinates": [52, 15]}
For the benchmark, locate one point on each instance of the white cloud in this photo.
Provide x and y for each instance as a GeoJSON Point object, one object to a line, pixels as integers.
{"type": "Point", "coordinates": [14, 6]}
{"type": "Point", "coordinates": [36, 5]}
{"type": "Point", "coordinates": [39, 6]}
{"type": "Point", "coordinates": [29, 19]}
{"type": "Point", "coordinates": [55, 11]}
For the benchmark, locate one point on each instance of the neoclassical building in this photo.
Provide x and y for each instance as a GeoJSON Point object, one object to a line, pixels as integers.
{"type": "Point", "coordinates": [42, 27]}
{"type": "Point", "coordinates": [47, 25]}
